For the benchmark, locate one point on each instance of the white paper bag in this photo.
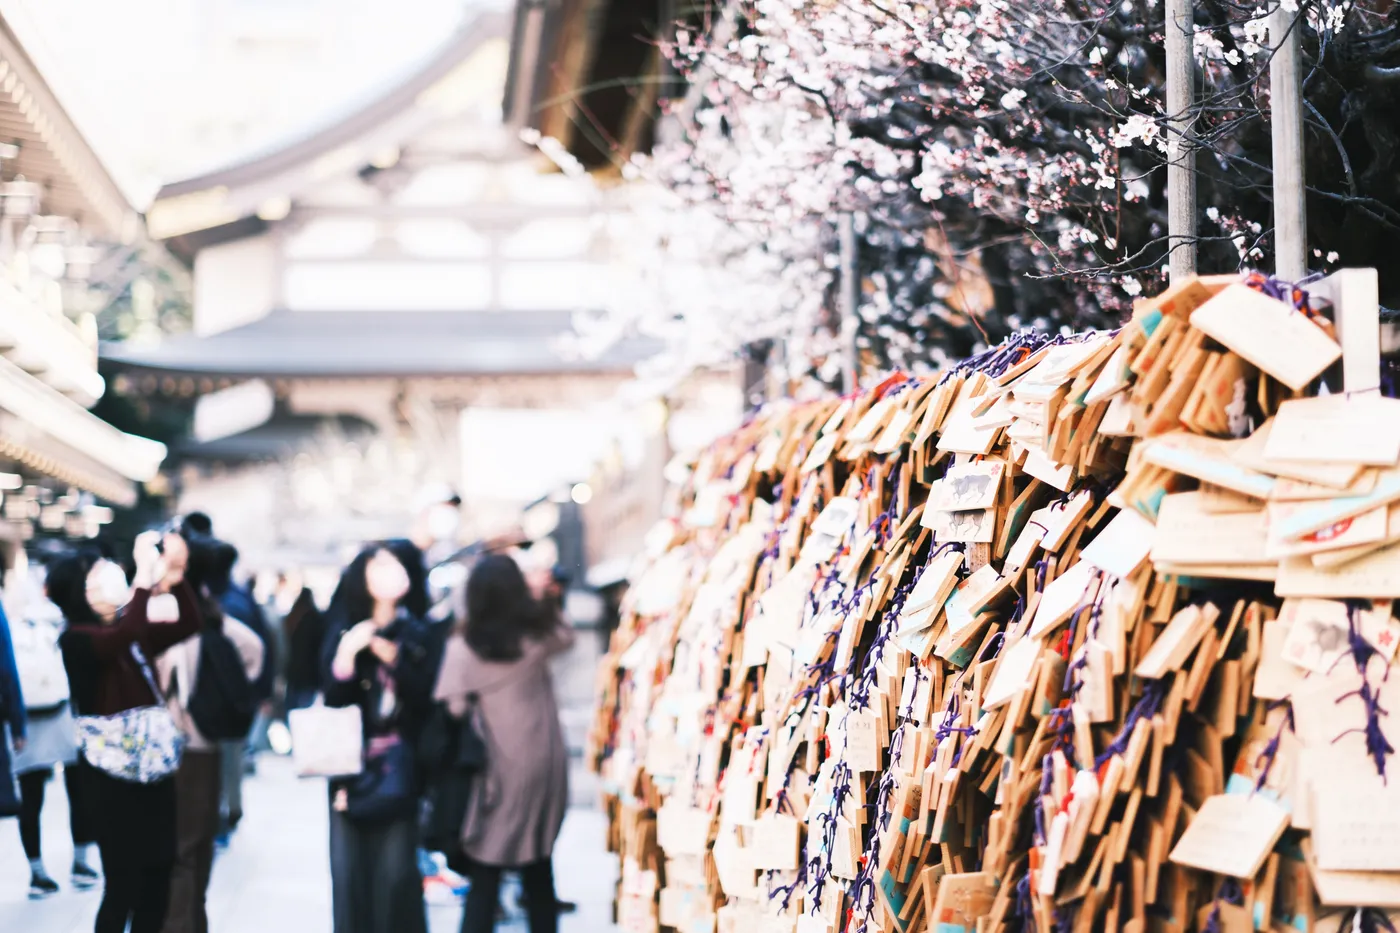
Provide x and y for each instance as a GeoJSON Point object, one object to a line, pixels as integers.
{"type": "Point", "coordinates": [327, 742]}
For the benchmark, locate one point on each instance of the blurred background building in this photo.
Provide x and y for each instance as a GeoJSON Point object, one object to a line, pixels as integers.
{"type": "Point", "coordinates": [330, 260]}
{"type": "Point", "coordinates": [67, 232]}
{"type": "Point", "coordinates": [376, 260]}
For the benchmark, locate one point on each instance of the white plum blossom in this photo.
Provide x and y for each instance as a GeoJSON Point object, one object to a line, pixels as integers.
{"type": "Point", "coordinates": [1029, 132]}
{"type": "Point", "coordinates": [1137, 128]}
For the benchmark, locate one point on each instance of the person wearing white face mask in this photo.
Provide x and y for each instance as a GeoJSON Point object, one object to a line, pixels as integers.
{"type": "Point", "coordinates": [379, 656]}
{"type": "Point", "coordinates": [114, 632]}
{"type": "Point", "coordinates": [438, 520]}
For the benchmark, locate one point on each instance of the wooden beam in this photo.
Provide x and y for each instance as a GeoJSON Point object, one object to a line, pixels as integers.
{"type": "Point", "coordinates": [1181, 167]}
{"type": "Point", "coordinates": [849, 299]}
{"type": "Point", "coordinates": [1286, 95]}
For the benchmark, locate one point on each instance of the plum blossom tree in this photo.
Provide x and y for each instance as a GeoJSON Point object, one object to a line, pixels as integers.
{"type": "Point", "coordinates": [1005, 160]}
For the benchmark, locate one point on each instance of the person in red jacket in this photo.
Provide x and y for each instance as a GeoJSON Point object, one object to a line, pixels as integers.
{"type": "Point", "coordinates": [136, 822]}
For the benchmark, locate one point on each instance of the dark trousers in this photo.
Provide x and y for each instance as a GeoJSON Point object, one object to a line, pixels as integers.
{"type": "Point", "coordinates": [483, 898]}
{"type": "Point", "coordinates": [376, 886]}
{"type": "Point", "coordinates": [196, 825]}
{"type": "Point", "coordinates": [230, 800]}
{"type": "Point", "coordinates": [76, 778]}
{"type": "Point", "coordinates": [136, 836]}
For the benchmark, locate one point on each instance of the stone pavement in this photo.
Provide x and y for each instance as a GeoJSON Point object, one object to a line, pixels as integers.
{"type": "Point", "coordinates": [275, 877]}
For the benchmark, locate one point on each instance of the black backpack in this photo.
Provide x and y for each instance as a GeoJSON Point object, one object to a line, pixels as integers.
{"type": "Point", "coordinates": [224, 701]}
{"type": "Point", "coordinates": [452, 752]}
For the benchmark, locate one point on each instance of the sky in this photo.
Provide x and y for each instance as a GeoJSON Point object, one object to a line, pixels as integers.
{"type": "Point", "coordinates": [164, 89]}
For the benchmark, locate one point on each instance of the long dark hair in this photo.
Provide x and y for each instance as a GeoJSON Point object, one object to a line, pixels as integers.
{"type": "Point", "coordinates": [501, 611]}
{"type": "Point", "coordinates": [411, 556]}
{"type": "Point", "coordinates": [352, 602]}
{"type": "Point", "coordinates": [65, 583]}
{"type": "Point", "coordinates": [208, 572]}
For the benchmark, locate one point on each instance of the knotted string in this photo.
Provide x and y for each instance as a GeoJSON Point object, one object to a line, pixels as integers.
{"type": "Point", "coordinates": [860, 694]}
{"type": "Point", "coordinates": [1073, 683]}
{"type": "Point", "coordinates": [1153, 693]}
{"type": "Point", "coordinates": [1046, 781]}
{"type": "Point", "coordinates": [786, 891]}
{"type": "Point", "coordinates": [1062, 724]}
{"type": "Point", "coordinates": [1361, 651]}
{"type": "Point", "coordinates": [1288, 292]}
{"type": "Point", "coordinates": [1229, 892]}
{"type": "Point", "coordinates": [998, 359]}
{"type": "Point", "coordinates": [885, 522]}
{"type": "Point", "coordinates": [1025, 906]}
{"type": "Point", "coordinates": [1269, 754]}
{"type": "Point", "coordinates": [863, 888]}
{"type": "Point", "coordinates": [820, 868]}
{"type": "Point", "coordinates": [906, 713]}
{"type": "Point", "coordinates": [952, 712]}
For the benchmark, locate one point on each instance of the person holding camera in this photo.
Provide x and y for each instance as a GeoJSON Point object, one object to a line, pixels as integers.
{"type": "Point", "coordinates": [114, 633]}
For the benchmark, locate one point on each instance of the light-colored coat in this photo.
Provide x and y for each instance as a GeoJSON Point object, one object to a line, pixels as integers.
{"type": "Point", "coordinates": [178, 668]}
{"type": "Point", "coordinates": [518, 804]}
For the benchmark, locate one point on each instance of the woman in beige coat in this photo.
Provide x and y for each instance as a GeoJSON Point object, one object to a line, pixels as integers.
{"type": "Point", "coordinates": [498, 671]}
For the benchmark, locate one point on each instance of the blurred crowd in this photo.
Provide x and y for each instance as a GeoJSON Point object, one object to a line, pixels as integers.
{"type": "Point", "coordinates": [149, 683]}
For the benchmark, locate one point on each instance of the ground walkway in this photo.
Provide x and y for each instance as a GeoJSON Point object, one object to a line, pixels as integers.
{"type": "Point", "coordinates": [274, 877]}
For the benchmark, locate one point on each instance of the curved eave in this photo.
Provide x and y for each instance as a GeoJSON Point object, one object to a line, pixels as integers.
{"type": "Point", "coordinates": [395, 344]}
{"type": "Point", "coordinates": [233, 193]}
{"type": "Point", "coordinates": [52, 434]}
{"type": "Point", "coordinates": [53, 152]}
{"type": "Point", "coordinates": [590, 76]}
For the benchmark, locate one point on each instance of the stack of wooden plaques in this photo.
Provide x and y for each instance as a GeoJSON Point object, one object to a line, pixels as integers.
{"type": "Point", "coordinates": [1091, 633]}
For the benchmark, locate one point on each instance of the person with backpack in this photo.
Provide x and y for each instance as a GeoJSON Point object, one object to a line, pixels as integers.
{"type": "Point", "coordinates": [208, 680]}
{"type": "Point", "coordinates": [51, 740]}
{"type": "Point", "coordinates": [237, 601]}
{"type": "Point", "coordinates": [379, 657]}
{"type": "Point", "coordinates": [114, 630]}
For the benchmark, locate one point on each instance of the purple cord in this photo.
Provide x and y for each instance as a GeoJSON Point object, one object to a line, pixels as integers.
{"type": "Point", "coordinates": [1062, 721]}
{"type": "Point", "coordinates": [1290, 293]}
{"type": "Point", "coordinates": [1025, 906]}
{"type": "Point", "coordinates": [1269, 754]}
{"type": "Point", "coordinates": [1095, 609]}
{"type": "Point", "coordinates": [1229, 892]}
{"type": "Point", "coordinates": [1377, 745]}
{"type": "Point", "coordinates": [1153, 693]}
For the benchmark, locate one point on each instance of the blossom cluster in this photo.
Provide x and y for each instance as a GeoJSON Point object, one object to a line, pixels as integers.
{"type": "Point", "coordinates": [1005, 160]}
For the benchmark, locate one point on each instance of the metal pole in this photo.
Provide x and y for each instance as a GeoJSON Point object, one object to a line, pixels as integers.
{"type": "Point", "coordinates": [1181, 167]}
{"type": "Point", "coordinates": [850, 299]}
{"type": "Point", "coordinates": [1286, 93]}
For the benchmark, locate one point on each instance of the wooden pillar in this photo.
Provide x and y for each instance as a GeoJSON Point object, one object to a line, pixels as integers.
{"type": "Point", "coordinates": [849, 299]}
{"type": "Point", "coordinates": [1286, 94]}
{"type": "Point", "coordinates": [1181, 166]}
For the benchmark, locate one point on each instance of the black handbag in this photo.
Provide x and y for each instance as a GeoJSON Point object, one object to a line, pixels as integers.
{"type": "Point", "coordinates": [9, 787]}
{"type": "Point", "coordinates": [386, 789]}
{"type": "Point", "coordinates": [453, 752]}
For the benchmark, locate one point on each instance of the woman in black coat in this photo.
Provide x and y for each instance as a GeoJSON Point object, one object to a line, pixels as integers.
{"type": "Point", "coordinates": [379, 656]}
